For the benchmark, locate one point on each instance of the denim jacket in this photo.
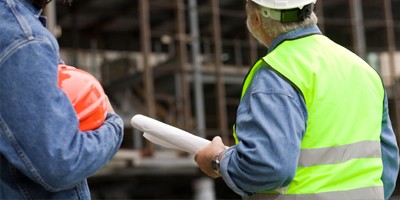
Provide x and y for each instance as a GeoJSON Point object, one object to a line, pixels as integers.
{"type": "Point", "coordinates": [43, 153]}
{"type": "Point", "coordinates": [273, 119]}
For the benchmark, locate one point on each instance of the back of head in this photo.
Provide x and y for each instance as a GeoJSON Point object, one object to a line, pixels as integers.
{"type": "Point", "coordinates": [283, 16]}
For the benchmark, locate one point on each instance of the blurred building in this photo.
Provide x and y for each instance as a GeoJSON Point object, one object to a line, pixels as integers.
{"type": "Point", "coordinates": [183, 62]}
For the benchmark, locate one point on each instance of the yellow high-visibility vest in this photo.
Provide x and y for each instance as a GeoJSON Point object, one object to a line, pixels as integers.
{"type": "Point", "coordinates": [340, 156]}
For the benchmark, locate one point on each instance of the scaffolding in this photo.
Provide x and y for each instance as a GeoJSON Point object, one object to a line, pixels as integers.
{"type": "Point", "coordinates": [183, 61]}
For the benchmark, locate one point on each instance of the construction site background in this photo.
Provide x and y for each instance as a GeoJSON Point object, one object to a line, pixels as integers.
{"type": "Point", "coordinates": [183, 62]}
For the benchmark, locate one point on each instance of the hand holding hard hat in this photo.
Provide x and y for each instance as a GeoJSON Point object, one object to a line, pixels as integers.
{"type": "Point", "coordinates": [110, 109]}
{"type": "Point", "coordinates": [86, 95]}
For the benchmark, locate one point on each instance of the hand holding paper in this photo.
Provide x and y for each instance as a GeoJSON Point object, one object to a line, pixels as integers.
{"type": "Point", "coordinates": [172, 137]}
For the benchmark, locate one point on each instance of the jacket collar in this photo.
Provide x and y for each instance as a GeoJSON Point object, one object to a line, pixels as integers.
{"type": "Point", "coordinates": [28, 4]}
{"type": "Point", "coordinates": [297, 33]}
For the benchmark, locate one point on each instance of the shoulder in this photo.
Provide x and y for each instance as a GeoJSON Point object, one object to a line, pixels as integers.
{"type": "Point", "coordinates": [20, 28]}
{"type": "Point", "coordinates": [268, 85]}
{"type": "Point", "coordinates": [267, 81]}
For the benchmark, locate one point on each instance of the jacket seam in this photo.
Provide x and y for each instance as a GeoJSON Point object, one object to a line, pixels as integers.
{"type": "Point", "coordinates": [21, 21]}
{"type": "Point", "coordinates": [16, 45]}
{"type": "Point", "coordinates": [294, 86]}
{"type": "Point", "coordinates": [256, 74]}
{"type": "Point", "coordinates": [282, 94]}
{"type": "Point", "coordinates": [291, 96]}
{"type": "Point", "coordinates": [23, 157]}
{"type": "Point", "coordinates": [274, 93]}
{"type": "Point", "coordinates": [15, 178]}
{"type": "Point", "coordinates": [78, 193]}
{"type": "Point", "coordinates": [285, 79]}
{"type": "Point", "coordinates": [30, 9]}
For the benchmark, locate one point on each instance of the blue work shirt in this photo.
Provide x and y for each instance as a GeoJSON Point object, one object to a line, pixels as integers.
{"type": "Point", "coordinates": [270, 125]}
{"type": "Point", "coordinates": [43, 153]}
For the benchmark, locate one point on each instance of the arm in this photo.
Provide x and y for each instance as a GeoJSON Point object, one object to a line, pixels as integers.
{"type": "Point", "coordinates": [390, 153]}
{"type": "Point", "coordinates": [266, 156]}
{"type": "Point", "coordinates": [39, 127]}
{"type": "Point", "coordinates": [270, 126]}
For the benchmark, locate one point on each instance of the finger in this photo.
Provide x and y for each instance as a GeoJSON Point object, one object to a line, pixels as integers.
{"type": "Point", "coordinates": [217, 139]}
{"type": "Point", "coordinates": [109, 106]}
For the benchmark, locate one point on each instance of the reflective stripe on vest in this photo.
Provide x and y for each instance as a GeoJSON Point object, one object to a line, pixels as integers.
{"type": "Point", "coordinates": [366, 193]}
{"type": "Point", "coordinates": [340, 152]}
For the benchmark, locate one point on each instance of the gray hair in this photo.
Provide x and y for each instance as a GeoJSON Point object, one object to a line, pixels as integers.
{"type": "Point", "coordinates": [275, 27]}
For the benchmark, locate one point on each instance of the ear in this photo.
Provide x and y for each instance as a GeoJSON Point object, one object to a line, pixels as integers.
{"type": "Point", "coordinates": [257, 19]}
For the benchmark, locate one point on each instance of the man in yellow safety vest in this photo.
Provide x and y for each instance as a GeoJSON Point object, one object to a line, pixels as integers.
{"type": "Point", "coordinates": [313, 119]}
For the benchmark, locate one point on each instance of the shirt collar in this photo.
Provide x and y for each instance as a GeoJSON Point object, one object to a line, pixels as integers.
{"type": "Point", "coordinates": [297, 33]}
{"type": "Point", "coordinates": [28, 4]}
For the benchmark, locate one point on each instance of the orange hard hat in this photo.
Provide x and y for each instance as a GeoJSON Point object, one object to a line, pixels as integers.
{"type": "Point", "coordinates": [86, 95]}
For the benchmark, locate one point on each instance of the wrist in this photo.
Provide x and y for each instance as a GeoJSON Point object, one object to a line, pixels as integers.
{"type": "Point", "coordinates": [215, 163]}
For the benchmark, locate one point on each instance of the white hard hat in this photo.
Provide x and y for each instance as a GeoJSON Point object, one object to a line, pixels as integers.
{"type": "Point", "coordinates": [286, 10]}
{"type": "Point", "coordinates": [283, 4]}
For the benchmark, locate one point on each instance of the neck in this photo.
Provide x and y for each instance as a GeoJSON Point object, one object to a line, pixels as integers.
{"type": "Point", "coordinates": [268, 41]}
{"type": "Point", "coordinates": [266, 38]}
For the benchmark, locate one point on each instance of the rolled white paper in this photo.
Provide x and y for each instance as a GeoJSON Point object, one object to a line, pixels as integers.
{"type": "Point", "coordinates": [161, 142]}
{"type": "Point", "coordinates": [172, 137]}
{"type": "Point", "coordinates": [168, 136]}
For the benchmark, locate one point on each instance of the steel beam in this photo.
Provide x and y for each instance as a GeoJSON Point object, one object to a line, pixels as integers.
{"type": "Point", "coordinates": [357, 24]}
{"type": "Point", "coordinates": [181, 30]}
{"type": "Point", "coordinates": [75, 37]}
{"type": "Point", "coordinates": [220, 86]}
{"type": "Point", "coordinates": [238, 52]}
{"type": "Point", "coordinates": [148, 81]}
{"type": "Point", "coordinates": [198, 83]}
{"type": "Point", "coordinates": [94, 67]}
{"type": "Point", "coordinates": [50, 13]}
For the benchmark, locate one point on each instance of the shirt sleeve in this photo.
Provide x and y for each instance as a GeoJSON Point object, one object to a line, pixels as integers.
{"type": "Point", "coordinates": [39, 127]}
{"type": "Point", "coordinates": [270, 126]}
{"type": "Point", "coordinates": [390, 153]}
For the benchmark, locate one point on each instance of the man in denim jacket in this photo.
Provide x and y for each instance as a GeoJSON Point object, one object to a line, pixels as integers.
{"type": "Point", "coordinates": [43, 153]}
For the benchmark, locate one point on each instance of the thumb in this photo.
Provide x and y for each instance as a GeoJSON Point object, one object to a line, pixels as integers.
{"type": "Point", "coordinates": [217, 139]}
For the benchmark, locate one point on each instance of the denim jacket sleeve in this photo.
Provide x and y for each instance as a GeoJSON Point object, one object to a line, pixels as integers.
{"type": "Point", "coordinates": [270, 125]}
{"type": "Point", "coordinates": [39, 132]}
{"type": "Point", "coordinates": [390, 153]}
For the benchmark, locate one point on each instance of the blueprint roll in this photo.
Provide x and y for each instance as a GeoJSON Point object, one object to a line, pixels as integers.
{"type": "Point", "coordinates": [172, 137]}
{"type": "Point", "coordinates": [168, 136]}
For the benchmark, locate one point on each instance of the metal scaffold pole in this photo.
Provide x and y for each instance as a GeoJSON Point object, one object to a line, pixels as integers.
{"type": "Point", "coordinates": [148, 72]}
{"type": "Point", "coordinates": [50, 13]}
{"type": "Point", "coordinates": [220, 86]}
{"type": "Point", "coordinates": [180, 18]}
{"type": "Point", "coordinates": [198, 83]}
{"type": "Point", "coordinates": [358, 28]}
